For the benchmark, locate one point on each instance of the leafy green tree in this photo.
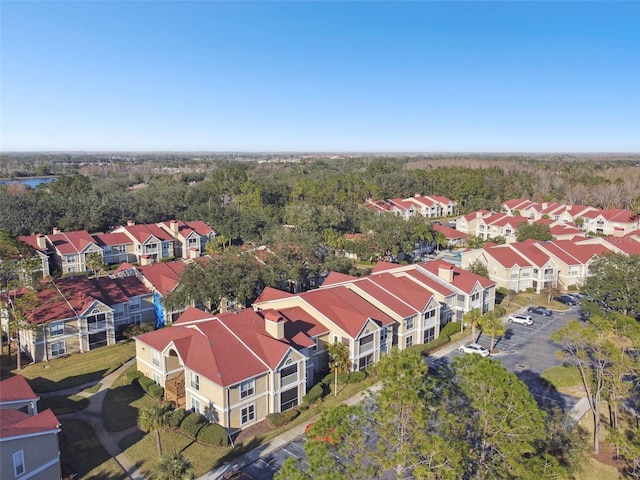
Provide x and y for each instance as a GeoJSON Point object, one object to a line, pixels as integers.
{"type": "Point", "coordinates": [506, 423]}
{"type": "Point", "coordinates": [591, 349]}
{"type": "Point", "coordinates": [153, 420]}
{"type": "Point", "coordinates": [478, 268]}
{"type": "Point", "coordinates": [174, 466]}
{"type": "Point", "coordinates": [406, 443]}
{"type": "Point", "coordinates": [339, 361]}
{"type": "Point", "coordinates": [492, 326]}
{"type": "Point", "coordinates": [535, 231]}
{"type": "Point", "coordinates": [473, 318]}
{"type": "Point", "coordinates": [475, 242]}
{"type": "Point", "coordinates": [614, 279]}
{"type": "Point", "coordinates": [20, 308]}
{"type": "Point", "coordinates": [440, 240]}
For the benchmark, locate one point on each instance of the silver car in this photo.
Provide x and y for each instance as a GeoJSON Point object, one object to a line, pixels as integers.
{"type": "Point", "coordinates": [474, 348]}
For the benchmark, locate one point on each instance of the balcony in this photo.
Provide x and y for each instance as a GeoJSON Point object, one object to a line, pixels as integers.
{"type": "Point", "coordinates": [97, 326]}
{"type": "Point", "coordinates": [366, 347]}
{"type": "Point", "coordinates": [288, 380]}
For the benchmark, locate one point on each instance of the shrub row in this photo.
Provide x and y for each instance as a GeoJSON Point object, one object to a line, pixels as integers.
{"type": "Point", "coordinates": [282, 418]}
{"type": "Point", "coordinates": [191, 425]}
{"type": "Point", "coordinates": [214, 435]}
{"type": "Point", "coordinates": [175, 417]}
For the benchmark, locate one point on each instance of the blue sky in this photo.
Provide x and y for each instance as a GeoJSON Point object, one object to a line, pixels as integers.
{"type": "Point", "coordinates": [320, 76]}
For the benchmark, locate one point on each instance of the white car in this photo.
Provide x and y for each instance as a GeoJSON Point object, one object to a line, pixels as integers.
{"type": "Point", "coordinates": [474, 348]}
{"type": "Point", "coordinates": [520, 318]}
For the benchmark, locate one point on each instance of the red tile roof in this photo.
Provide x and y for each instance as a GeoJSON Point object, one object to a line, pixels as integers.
{"type": "Point", "coordinates": [142, 232]}
{"type": "Point", "coordinates": [400, 294]}
{"type": "Point", "coordinates": [336, 277]}
{"type": "Point", "coordinates": [462, 279]}
{"type": "Point", "coordinates": [450, 233]}
{"type": "Point", "coordinates": [163, 276]}
{"type": "Point", "coordinates": [270, 293]}
{"type": "Point", "coordinates": [71, 242]}
{"type": "Point", "coordinates": [14, 423]}
{"type": "Point", "coordinates": [110, 239]}
{"type": "Point", "coordinates": [210, 349]}
{"type": "Point", "coordinates": [506, 256]}
{"type": "Point", "coordinates": [345, 309]}
{"type": "Point", "coordinates": [15, 389]}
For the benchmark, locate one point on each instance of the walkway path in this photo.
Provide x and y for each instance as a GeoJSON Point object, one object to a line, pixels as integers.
{"type": "Point", "coordinates": [93, 415]}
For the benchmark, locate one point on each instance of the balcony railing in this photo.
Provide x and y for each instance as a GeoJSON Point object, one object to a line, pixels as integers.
{"type": "Point", "coordinates": [97, 326]}
{"type": "Point", "coordinates": [288, 380]}
{"type": "Point", "coordinates": [366, 347]}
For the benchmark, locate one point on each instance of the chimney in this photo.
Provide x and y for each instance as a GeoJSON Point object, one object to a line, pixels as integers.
{"type": "Point", "coordinates": [417, 195]}
{"type": "Point", "coordinates": [274, 324]}
{"type": "Point", "coordinates": [56, 231]}
{"type": "Point", "coordinates": [445, 272]}
{"type": "Point", "coordinates": [544, 205]}
{"type": "Point", "coordinates": [41, 241]}
{"type": "Point", "coordinates": [174, 226]}
{"type": "Point", "coordinates": [478, 214]}
{"type": "Point", "coordinates": [130, 223]}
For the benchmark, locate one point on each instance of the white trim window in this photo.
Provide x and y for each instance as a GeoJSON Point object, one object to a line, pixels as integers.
{"type": "Point", "coordinates": [248, 414]}
{"type": "Point", "coordinates": [156, 378]}
{"type": "Point", "coordinates": [408, 341]}
{"type": "Point", "coordinates": [247, 388]}
{"type": "Point", "coordinates": [56, 328]}
{"type": "Point", "coordinates": [195, 404]}
{"type": "Point", "coordinates": [155, 358]}
{"type": "Point", "coordinates": [134, 303]}
{"type": "Point", "coordinates": [195, 381]}
{"type": "Point", "coordinates": [58, 348]}
{"type": "Point", "coordinates": [410, 322]}
{"type": "Point", "coordinates": [18, 463]}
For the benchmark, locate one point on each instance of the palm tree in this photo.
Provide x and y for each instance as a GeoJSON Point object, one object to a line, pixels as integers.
{"type": "Point", "coordinates": [493, 326]}
{"type": "Point", "coordinates": [339, 361]}
{"type": "Point", "coordinates": [472, 317]}
{"type": "Point", "coordinates": [174, 466]}
{"type": "Point", "coordinates": [153, 420]}
{"type": "Point", "coordinates": [95, 262]}
{"type": "Point", "coordinates": [440, 239]}
{"type": "Point", "coordinates": [20, 309]}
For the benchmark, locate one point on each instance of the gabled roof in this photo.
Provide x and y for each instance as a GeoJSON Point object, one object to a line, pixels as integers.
{"type": "Point", "coordinates": [32, 241]}
{"type": "Point", "coordinates": [185, 229]}
{"type": "Point", "coordinates": [502, 220]}
{"type": "Point", "coordinates": [612, 215]}
{"type": "Point", "coordinates": [628, 245]}
{"type": "Point", "coordinates": [111, 239]}
{"type": "Point", "coordinates": [378, 205]}
{"type": "Point", "coordinates": [337, 277]}
{"type": "Point", "coordinates": [71, 242]}
{"type": "Point", "coordinates": [582, 252]}
{"type": "Point", "coordinates": [517, 204]}
{"type": "Point", "coordinates": [142, 232]}
{"type": "Point", "coordinates": [191, 315]}
{"type": "Point", "coordinates": [384, 266]}
{"type": "Point", "coordinates": [450, 233]}
{"type": "Point", "coordinates": [345, 309]}
{"type": "Point", "coordinates": [16, 389]}
{"type": "Point", "coordinates": [14, 423]}
{"type": "Point", "coordinates": [210, 349]}
{"type": "Point", "coordinates": [529, 251]}
{"type": "Point", "coordinates": [505, 256]}
{"type": "Point", "coordinates": [470, 216]}
{"type": "Point", "coordinates": [162, 276]}
{"type": "Point", "coordinates": [462, 279]}
{"type": "Point", "coordinates": [270, 293]}
{"type": "Point", "coordinates": [424, 278]}
{"type": "Point", "coordinates": [399, 294]}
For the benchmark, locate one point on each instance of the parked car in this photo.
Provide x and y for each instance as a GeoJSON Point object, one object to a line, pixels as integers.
{"type": "Point", "coordinates": [567, 300]}
{"type": "Point", "coordinates": [474, 348]}
{"type": "Point", "coordinates": [520, 318]}
{"type": "Point", "coordinates": [538, 310]}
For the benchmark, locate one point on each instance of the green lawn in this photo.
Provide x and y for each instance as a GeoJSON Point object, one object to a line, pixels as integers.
{"type": "Point", "coordinates": [78, 368]}
{"type": "Point", "coordinates": [122, 403]}
{"type": "Point", "coordinates": [562, 376]}
{"type": "Point", "coordinates": [82, 452]}
{"type": "Point", "coordinates": [62, 405]}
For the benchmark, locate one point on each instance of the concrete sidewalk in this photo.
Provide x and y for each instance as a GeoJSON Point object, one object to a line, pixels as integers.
{"type": "Point", "coordinates": [93, 415]}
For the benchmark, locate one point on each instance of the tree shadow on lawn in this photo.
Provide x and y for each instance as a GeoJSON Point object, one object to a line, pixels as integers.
{"type": "Point", "coordinates": [545, 394]}
{"type": "Point", "coordinates": [44, 385]}
{"type": "Point", "coordinates": [118, 410]}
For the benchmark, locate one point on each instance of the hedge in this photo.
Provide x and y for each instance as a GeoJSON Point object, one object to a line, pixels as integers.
{"type": "Point", "coordinates": [356, 377]}
{"type": "Point", "coordinates": [315, 393]}
{"type": "Point", "coordinates": [145, 383]}
{"type": "Point", "coordinates": [449, 329]}
{"type": "Point", "coordinates": [214, 435]}
{"type": "Point", "coordinates": [155, 391]}
{"type": "Point", "coordinates": [133, 376]}
{"type": "Point", "coordinates": [192, 424]}
{"type": "Point", "coordinates": [282, 418]}
{"type": "Point", "coordinates": [175, 417]}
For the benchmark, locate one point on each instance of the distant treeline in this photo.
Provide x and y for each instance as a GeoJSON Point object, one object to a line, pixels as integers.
{"type": "Point", "coordinates": [247, 196]}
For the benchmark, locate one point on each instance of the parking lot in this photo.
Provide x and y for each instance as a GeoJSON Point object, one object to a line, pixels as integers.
{"type": "Point", "coordinates": [525, 350]}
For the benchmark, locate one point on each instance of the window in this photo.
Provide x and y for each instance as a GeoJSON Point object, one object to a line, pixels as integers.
{"type": "Point", "coordinates": [58, 348]}
{"type": "Point", "coordinates": [429, 334]}
{"type": "Point", "coordinates": [315, 344]}
{"type": "Point", "coordinates": [365, 361]}
{"type": "Point", "coordinates": [71, 259]}
{"type": "Point", "coordinates": [366, 343]}
{"type": "Point", "coordinates": [195, 381]}
{"type": "Point", "coordinates": [195, 404]}
{"type": "Point", "coordinates": [56, 328]}
{"type": "Point", "coordinates": [248, 388]}
{"type": "Point", "coordinates": [97, 321]}
{"type": "Point", "coordinates": [408, 341]}
{"type": "Point", "coordinates": [383, 335]}
{"type": "Point", "coordinates": [18, 463]}
{"type": "Point", "coordinates": [137, 319]}
{"type": "Point", "coordinates": [248, 414]}
{"type": "Point", "coordinates": [409, 323]}
{"type": "Point", "coordinates": [155, 358]}
{"type": "Point", "coordinates": [156, 378]}
{"type": "Point", "coordinates": [71, 269]}
{"type": "Point", "coordinates": [288, 399]}
{"type": "Point", "coordinates": [429, 314]}
{"type": "Point", "coordinates": [134, 303]}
